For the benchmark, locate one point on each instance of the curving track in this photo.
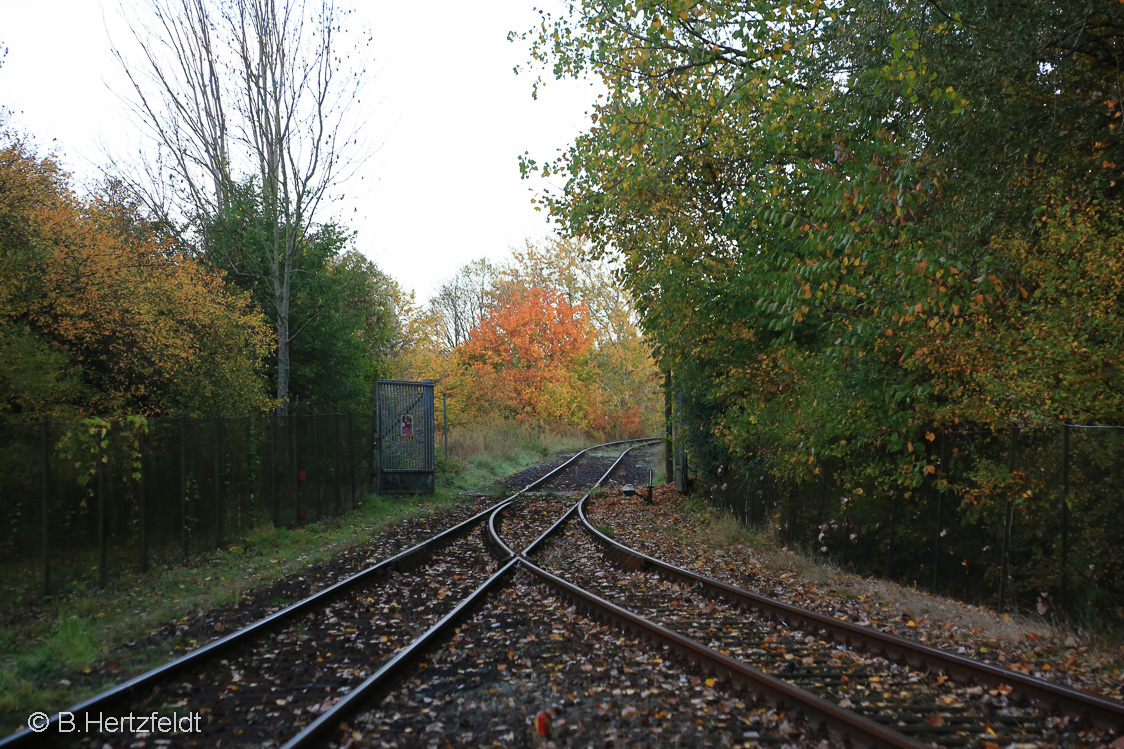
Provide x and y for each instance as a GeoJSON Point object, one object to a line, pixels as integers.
{"type": "Point", "coordinates": [866, 674]}
{"type": "Point", "coordinates": [457, 638]}
{"type": "Point", "coordinates": [266, 681]}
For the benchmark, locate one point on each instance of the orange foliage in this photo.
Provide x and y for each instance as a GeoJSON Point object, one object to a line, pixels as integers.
{"type": "Point", "coordinates": [526, 359]}
{"type": "Point", "coordinates": [136, 326]}
{"type": "Point", "coordinates": [547, 337]}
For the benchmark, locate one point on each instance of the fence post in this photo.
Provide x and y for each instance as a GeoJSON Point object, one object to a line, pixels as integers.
{"type": "Point", "coordinates": [893, 530]}
{"type": "Point", "coordinates": [1008, 519]}
{"type": "Point", "coordinates": [295, 468]}
{"type": "Point", "coordinates": [1065, 518]}
{"type": "Point", "coordinates": [823, 493]}
{"type": "Point", "coordinates": [217, 433]}
{"type": "Point", "coordinates": [101, 523]}
{"type": "Point", "coordinates": [142, 502]}
{"type": "Point", "coordinates": [337, 478]}
{"type": "Point", "coordinates": [183, 484]}
{"type": "Point", "coordinates": [273, 470]}
{"type": "Point", "coordinates": [374, 457]}
{"type": "Point", "coordinates": [793, 498]}
{"type": "Point", "coordinates": [937, 543]}
{"type": "Point", "coordinates": [315, 465]}
{"type": "Point", "coordinates": [351, 454]}
{"type": "Point", "coordinates": [45, 473]}
{"type": "Point", "coordinates": [668, 430]}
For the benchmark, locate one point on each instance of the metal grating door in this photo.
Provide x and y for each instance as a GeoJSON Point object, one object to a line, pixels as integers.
{"type": "Point", "coordinates": [404, 442]}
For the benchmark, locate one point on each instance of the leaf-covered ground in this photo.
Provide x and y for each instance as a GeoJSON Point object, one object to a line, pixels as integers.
{"type": "Point", "coordinates": [526, 654]}
{"type": "Point", "coordinates": [684, 534]}
{"type": "Point", "coordinates": [580, 476]}
{"type": "Point", "coordinates": [624, 706]}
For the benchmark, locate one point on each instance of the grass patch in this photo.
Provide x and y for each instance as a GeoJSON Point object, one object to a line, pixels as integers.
{"type": "Point", "coordinates": [48, 646]}
{"type": "Point", "coordinates": [73, 644]}
{"type": "Point", "coordinates": [47, 649]}
{"type": "Point", "coordinates": [478, 455]}
{"type": "Point", "coordinates": [605, 530]}
{"type": "Point", "coordinates": [718, 527]}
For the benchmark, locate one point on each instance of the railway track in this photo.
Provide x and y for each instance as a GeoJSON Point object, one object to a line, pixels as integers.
{"type": "Point", "coordinates": [265, 681]}
{"type": "Point", "coordinates": [923, 693]}
{"type": "Point", "coordinates": [870, 688]}
{"type": "Point", "coordinates": [467, 632]}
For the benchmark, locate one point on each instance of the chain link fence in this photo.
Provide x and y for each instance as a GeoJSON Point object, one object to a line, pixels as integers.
{"type": "Point", "coordinates": [79, 500]}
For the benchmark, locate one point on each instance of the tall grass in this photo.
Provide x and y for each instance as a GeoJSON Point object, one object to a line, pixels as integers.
{"type": "Point", "coordinates": [481, 453]}
{"type": "Point", "coordinates": [500, 440]}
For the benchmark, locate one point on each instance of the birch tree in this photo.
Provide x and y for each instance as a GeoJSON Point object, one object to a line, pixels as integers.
{"type": "Point", "coordinates": [264, 92]}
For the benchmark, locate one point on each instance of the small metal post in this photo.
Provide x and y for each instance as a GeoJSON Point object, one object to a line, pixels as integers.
{"type": "Point", "coordinates": [445, 423]}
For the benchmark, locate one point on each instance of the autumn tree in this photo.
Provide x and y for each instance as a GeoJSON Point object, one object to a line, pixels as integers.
{"type": "Point", "coordinates": [525, 359]}
{"type": "Point", "coordinates": [248, 88]}
{"type": "Point", "coordinates": [613, 379]}
{"type": "Point", "coordinates": [851, 228]}
{"type": "Point", "coordinates": [36, 378]}
{"type": "Point", "coordinates": [100, 316]}
{"type": "Point", "coordinates": [782, 186]}
{"type": "Point", "coordinates": [622, 392]}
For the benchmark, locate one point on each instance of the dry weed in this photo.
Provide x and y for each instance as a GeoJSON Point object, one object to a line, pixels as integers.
{"type": "Point", "coordinates": [507, 437]}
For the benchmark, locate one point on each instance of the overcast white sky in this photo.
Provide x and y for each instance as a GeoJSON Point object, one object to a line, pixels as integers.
{"type": "Point", "coordinates": [451, 118]}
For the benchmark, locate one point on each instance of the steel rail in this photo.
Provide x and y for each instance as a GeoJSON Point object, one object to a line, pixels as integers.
{"type": "Point", "coordinates": [776, 691]}
{"type": "Point", "coordinates": [383, 679]}
{"type": "Point", "coordinates": [580, 453]}
{"type": "Point", "coordinates": [569, 513]}
{"type": "Point", "coordinates": [403, 561]}
{"type": "Point", "coordinates": [380, 681]}
{"type": "Point", "coordinates": [505, 552]}
{"type": "Point", "coordinates": [1102, 712]}
{"type": "Point", "coordinates": [858, 728]}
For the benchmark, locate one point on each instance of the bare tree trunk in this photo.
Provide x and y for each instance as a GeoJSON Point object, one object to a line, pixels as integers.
{"type": "Point", "coordinates": [243, 87]}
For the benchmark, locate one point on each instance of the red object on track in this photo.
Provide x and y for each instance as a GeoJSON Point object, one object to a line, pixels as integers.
{"type": "Point", "coordinates": [542, 723]}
